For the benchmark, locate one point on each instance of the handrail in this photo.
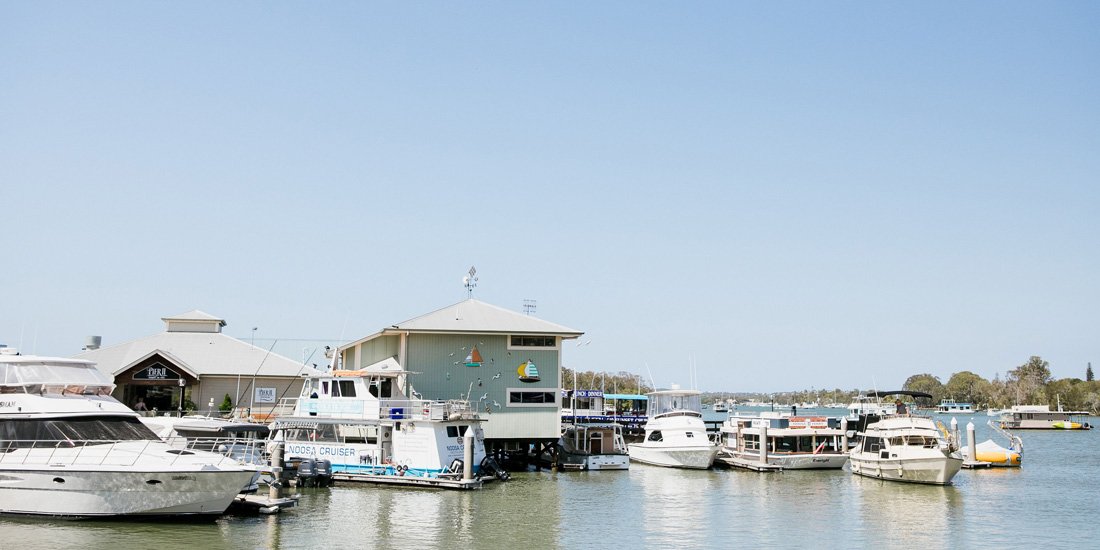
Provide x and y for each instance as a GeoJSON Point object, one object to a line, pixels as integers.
{"type": "Point", "coordinates": [68, 452]}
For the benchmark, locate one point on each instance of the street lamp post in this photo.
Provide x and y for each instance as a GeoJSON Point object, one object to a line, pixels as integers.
{"type": "Point", "coordinates": [182, 383]}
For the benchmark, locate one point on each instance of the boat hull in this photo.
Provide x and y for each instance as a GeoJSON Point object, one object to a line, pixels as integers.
{"type": "Point", "coordinates": [928, 470]}
{"type": "Point", "coordinates": [62, 492]}
{"type": "Point", "coordinates": [571, 461]}
{"type": "Point", "coordinates": [820, 461]}
{"type": "Point", "coordinates": [699, 458]}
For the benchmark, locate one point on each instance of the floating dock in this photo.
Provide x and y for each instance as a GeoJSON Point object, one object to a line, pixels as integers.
{"type": "Point", "coordinates": [441, 482]}
{"type": "Point", "coordinates": [754, 465]}
{"type": "Point", "coordinates": [260, 504]}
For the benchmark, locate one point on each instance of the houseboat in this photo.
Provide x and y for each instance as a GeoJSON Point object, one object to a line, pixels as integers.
{"type": "Point", "coordinates": [1040, 417]}
{"type": "Point", "coordinates": [792, 442]}
{"type": "Point", "coordinates": [950, 406]}
{"type": "Point", "coordinates": [364, 426]}
{"type": "Point", "coordinates": [593, 447]}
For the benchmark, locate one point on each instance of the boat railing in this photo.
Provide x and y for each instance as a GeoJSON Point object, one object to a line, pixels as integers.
{"type": "Point", "coordinates": [250, 450]}
{"type": "Point", "coordinates": [380, 409]}
{"type": "Point", "coordinates": [85, 452]}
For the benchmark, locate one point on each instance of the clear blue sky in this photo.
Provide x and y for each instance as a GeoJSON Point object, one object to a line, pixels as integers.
{"type": "Point", "coordinates": [796, 194]}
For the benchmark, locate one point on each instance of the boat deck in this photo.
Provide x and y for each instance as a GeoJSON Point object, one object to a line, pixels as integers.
{"type": "Point", "coordinates": [754, 465]}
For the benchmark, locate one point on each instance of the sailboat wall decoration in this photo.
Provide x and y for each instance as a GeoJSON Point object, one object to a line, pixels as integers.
{"type": "Point", "coordinates": [474, 358]}
{"type": "Point", "coordinates": [527, 372]}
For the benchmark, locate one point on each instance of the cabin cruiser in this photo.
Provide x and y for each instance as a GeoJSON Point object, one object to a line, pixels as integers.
{"type": "Point", "coordinates": [905, 447]}
{"type": "Point", "coordinates": [595, 446]}
{"type": "Point", "coordinates": [675, 435]}
{"type": "Point", "coordinates": [241, 441]}
{"type": "Point", "coordinates": [69, 449]}
{"type": "Point", "coordinates": [364, 426]}
{"type": "Point", "coordinates": [1040, 417]}
{"type": "Point", "coordinates": [792, 442]}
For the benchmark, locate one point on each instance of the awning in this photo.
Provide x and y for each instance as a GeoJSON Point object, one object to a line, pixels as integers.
{"type": "Point", "coordinates": [630, 396]}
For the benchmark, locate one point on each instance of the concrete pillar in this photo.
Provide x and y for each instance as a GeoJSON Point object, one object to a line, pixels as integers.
{"type": "Point", "coordinates": [844, 434]}
{"type": "Point", "coordinates": [764, 442]}
{"type": "Point", "coordinates": [276, 471]}
{"type": "Point", "coordinates": [971, 444]}
{"type": "Point", "coordinates": [468, 454]}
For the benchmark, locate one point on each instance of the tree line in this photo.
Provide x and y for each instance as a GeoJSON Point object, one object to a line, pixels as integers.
{"type": "Point", "coordinates": [1028, 384]}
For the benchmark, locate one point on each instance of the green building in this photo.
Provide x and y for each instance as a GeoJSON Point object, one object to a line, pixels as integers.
{"type": "Point", "coordinates": [507, 364]}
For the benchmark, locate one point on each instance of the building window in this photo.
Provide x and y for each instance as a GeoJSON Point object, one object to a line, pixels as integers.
{"type": "Point", "coordinates": [519, 397]}
{"type": "Point", "coordinates": [532, 342]}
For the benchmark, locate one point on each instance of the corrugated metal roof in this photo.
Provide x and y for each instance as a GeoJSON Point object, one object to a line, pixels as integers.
{"type": "Point", "coordinates": [472, 316]}
{"type": "Point", "coordinates": [201, 353]}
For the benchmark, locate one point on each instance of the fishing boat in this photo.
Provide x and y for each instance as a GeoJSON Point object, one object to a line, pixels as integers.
{"type": "Point", "coordinates": [792, 442]}
{"type": "Point", "coordinates": [950, 406]}
{"type": "Point", "coordinates": [69, 449]}
{"type": "Point", "coordinates": [675, 435]}
{"type": "Point", "coordinates": [595, 446]}
{"type": "Point", "coordinates": [1040, 417]}
{"type": "Point", "coordinates": [364, 426]}
{"type": "Point", "coordinates": [905, 447]}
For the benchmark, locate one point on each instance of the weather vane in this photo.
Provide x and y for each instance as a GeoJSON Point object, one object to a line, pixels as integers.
{"type": "Point", "coordinates": [470, 281]}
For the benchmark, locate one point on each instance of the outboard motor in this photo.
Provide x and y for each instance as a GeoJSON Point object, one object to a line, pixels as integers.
{"type": "Point", "coordinates": [307, 473]}
{"type": "Point", "coordinates": [490, 467]}
{"type": "Point", "coordinates": [323, 470]}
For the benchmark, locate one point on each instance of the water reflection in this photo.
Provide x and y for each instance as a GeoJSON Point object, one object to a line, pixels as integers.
{"type": "Point", "coordinates": [1049, 500]}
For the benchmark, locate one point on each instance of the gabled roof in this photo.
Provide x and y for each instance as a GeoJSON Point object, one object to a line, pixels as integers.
{"type": "Point", "coordinates": [472, 316]}
{"type": "Point", "coordinates": [200, 353]}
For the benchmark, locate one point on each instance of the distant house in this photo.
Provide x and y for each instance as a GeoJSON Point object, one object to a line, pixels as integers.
{"type": "Point", "coordinates": [194, 361]}
{"type": "Point", "coordinates": [506, 363]}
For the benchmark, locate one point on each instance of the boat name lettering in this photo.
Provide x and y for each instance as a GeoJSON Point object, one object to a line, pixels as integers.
{"type": "Point", "coordinates": [7, 403]}
{"type": "Point", "coordinates": [299, 449]}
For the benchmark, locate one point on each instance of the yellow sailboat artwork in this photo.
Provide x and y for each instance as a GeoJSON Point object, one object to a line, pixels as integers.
{"type": "Point", "coordinates": [527, 372]}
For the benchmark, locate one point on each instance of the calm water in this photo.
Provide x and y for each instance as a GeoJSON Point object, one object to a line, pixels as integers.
{"type": "Point", "coordinates": [1051, 501]}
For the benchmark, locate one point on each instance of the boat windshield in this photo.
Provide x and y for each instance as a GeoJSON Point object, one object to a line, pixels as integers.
{"type": "Point", "coordinates": [660, 404]}
{"type": "Point", "coordinates": [52, 374]}
{"type": "Point", "coordinates": [914, 441]}
{"type": "Point", "coordinates": [21, 433]}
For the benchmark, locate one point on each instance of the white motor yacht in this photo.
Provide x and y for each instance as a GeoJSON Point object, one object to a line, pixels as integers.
{"type": "Point", "coordinates": [69, 449]}
{"type": "Point", "coordinates": [905, 448]}
{"type": "Point", "coordinates": [675, 435]}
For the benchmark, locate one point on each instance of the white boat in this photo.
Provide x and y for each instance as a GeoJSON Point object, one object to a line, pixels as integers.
{"type": "Point", "coordinates": [1040, 417]}
{"type": "Point", "coordinates": [950, 406]}
{"type": "Point", "coordinates": [241, 441]}
{"type": "Point", "coordinates": [793, 442]}
{"type": "Point", "coordinates": [69, 449]}
{"type": "Point", "coordinates": [675, 435]}
{"type": "Point", "coordinates": [721, 407]}
{"type": "Point", "coordinates": [905, 448]}
{"type": "Point", "coordinates": [368, 429]}
{"type": "Point", "coordinates": [593, 447]}
{"type": "Point", "coordinates": [870, 404]}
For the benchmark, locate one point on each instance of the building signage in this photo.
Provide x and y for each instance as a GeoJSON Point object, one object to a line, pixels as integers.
{"type": "Point", "coordinates": [156, 371]}
{"type": "Point", "coordinates": [265, 395]}
{"type": "Point", "coordinates": [527, 372]}
{"type": "Point", "coordinates": [588, 393]}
